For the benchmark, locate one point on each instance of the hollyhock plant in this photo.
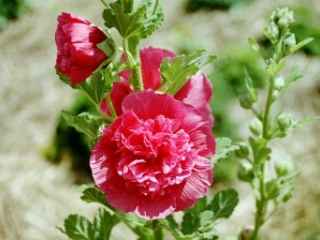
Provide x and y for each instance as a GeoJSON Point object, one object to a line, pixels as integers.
{"type": "Point", "coordinates": [78, 54]}
{"type": "Point", "coordinates": [152, 159]}
{"type": "Point", "coordinates": [153, 150]}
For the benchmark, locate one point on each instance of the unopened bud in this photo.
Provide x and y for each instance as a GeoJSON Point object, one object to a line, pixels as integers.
{"type": "Point", "coordinates": [272, 32]}
{"type": "Point", "coordinates": [284, 168]}
{"type": "Point", "coordinates": [246, 233]}
{"type": "Point", "coordinates": [243, 150]}
{"type": "Point", "coordinates": [279, 83]}
{"type": "Point", "coordinates": [245, 171]}
{"type": "Point", "coordinates": [285, 17]}
{"type": "Point", "coordinates": [275, 94]}
{"type": "Point", "coordinates": [284, 121]}
{"type": "Point", "coordinates": [256, 127]}
{"type": "Point", "coordinates": [290, 41]}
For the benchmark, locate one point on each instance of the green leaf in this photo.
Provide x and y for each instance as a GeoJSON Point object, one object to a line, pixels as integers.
{"type": "Point", "coordinates": [85, 123]}
{"type": "Point", "coordinates": [141, 20]}
{"type": "Point", "coordinates": [191, 218]}
{"type": "Point", "coordinates": [93, 195]}
{"type": "Point", "coordinates": [175, 72]}
{"type": "Point", "coordinates": [103, 224]}
{"type": "Point", "coordinates": [224, 203]}
{"type": "Point", "coordinates": [99, 84]}
{"type": "Point", "coordinates": [225, 148]}
{"type": "Point", "coordinates": [153, 21]}
{"type": "Point", "coordinates": [78, 228]}
{"type": "Point", "coordinates": [247, 93]}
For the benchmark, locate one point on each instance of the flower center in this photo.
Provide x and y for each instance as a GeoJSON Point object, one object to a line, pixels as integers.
{"type": "Point", "coordinates": [154, 153]}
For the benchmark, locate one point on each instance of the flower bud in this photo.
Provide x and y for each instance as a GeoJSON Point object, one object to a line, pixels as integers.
{"type": "Point", "coordinates": [279, 83]}
{"type": "Point", "coordinates": [272, 32]}
{"type": "Point", "coordinates": [245, 171]}
{"type": "Point", "coordinates": [290, 41]}
{"type": "Point", "coordinates": [287, 197]}
{"type": "Point", "coordinates": [275, 94]}
{"type": "Point", "coordinates": [284, 121]}
{"type": "Point", "coordinates": [272, 189]}
{"type": "Point", "coordinates": [284, 168]}
{"type": "Point", "coordinates": [256, 127]}
{"type": "Point", "coordinates": [285, 17]}
{"type": "Point", "coordinates": [246, 233]}
{"type": "Point", "coordinates": [243, 150]}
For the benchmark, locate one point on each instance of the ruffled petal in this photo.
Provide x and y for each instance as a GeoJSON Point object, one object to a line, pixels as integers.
{"type": "Point", "coordinates": [198, 92]}
{"type": "Point", "coordinates": [197, 185]}
{"type": "Point", "coordinates": [151, 59]}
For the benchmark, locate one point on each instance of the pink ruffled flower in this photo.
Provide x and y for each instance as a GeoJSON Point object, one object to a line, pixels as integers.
{"type": "Point", "coordinates": [196, 92]}
{"type": "Point", "coordinates": [78, 55]}
{"type": "Point", "coordinates": [153, 159]}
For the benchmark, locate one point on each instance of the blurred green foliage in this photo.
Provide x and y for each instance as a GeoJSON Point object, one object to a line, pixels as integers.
{"type": "Point", "coordinates": [67, 143]}
{"type": "Point", "coordinates": [307, 25]}
{"type": "Point", "coordinates": [194, 5]}
{"type": "Point", "coordinates": [10, 10]}
{"type": "Point", "coordinates": [228, 75]}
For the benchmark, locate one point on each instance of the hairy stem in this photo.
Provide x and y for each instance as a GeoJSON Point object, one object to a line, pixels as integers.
{"type": "Point", "coordinates": [262, 202]}
{"type": "Point", "coordinates": [134, 65]}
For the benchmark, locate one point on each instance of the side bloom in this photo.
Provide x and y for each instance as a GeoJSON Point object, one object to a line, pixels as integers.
{"type": "Point", "coordinates": [197, 91]}
{"type": "Point", "coordinates": [77, 52]}
{"type": "Point", "coordinates": [153, 159]}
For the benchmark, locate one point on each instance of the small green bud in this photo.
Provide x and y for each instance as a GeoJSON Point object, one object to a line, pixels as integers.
{"type": "Point", "coordinates": [285, 121]}
{"type": "Point", "coordinates": [285, 17]}
{"type": "Point", "coordinates": [290, 41]}
{"type": "Point", "coordinates": [245, 171]}
{"type": "Point", "coordinates": [272, 32]}
{"type": "Point", "coordinates": [272, 189]}
{"type": "Point", "coordinates": [287, 197]}
{"type": "Point", "coordinates": [256, 127]}
{"type": "Point", "coordinates": [284, 168]}
{"type": "Point", "coordinates": [275, 94]}
{"type": "Point", "coordinates": [246, 233]}
{"type": "Point", "coordinates": [279, 83]}
{"type": "Point", "coordinates": [243, 150]}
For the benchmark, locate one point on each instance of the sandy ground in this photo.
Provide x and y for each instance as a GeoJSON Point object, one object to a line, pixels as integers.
{"type": "Point", "coordinates": [35, 196]}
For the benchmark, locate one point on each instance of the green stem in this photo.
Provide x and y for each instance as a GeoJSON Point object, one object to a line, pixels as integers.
{"type": "Point", "coordinates": [104, 3]}
{"type": "Point", "coordinates": [261, 205]}
{"type": "Point", "coordinates": [156, 5]}
{"type": "Point", "coordinates": [157, 230]}
{"type": "Point", "coordinates": [267, 110]}
{"type": "Point", "coordinates": [174, 232]}
{"type": "Point", "coordinates": [134, 65]}
{"type": "Point", "coordinates": [262, 202]}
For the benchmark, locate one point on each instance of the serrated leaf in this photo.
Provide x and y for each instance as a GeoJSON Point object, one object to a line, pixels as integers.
{"type": "Point", "coordinates": [224, 203]}
{"type": "Point", "coordinates": [77, 227]}
{"type": "Point", "coordinates": [224, 148]}
{"type": "Point", "coordinates": [85, 123]}
{"type": "Point", "coordinates": [103, 224]}
{"type": "Point", "coordinates": [141, 20]}
{"type": "Point", "coordinates": [153, 21]}
{"type": "Point", "coordinates": [175, 72]}
{"type": "Point", "coordinates": [191, 218]}
{"type": "Point", "coordinates": [98, 84]}
{"type": "Point", "coordinates": [93, 195]}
